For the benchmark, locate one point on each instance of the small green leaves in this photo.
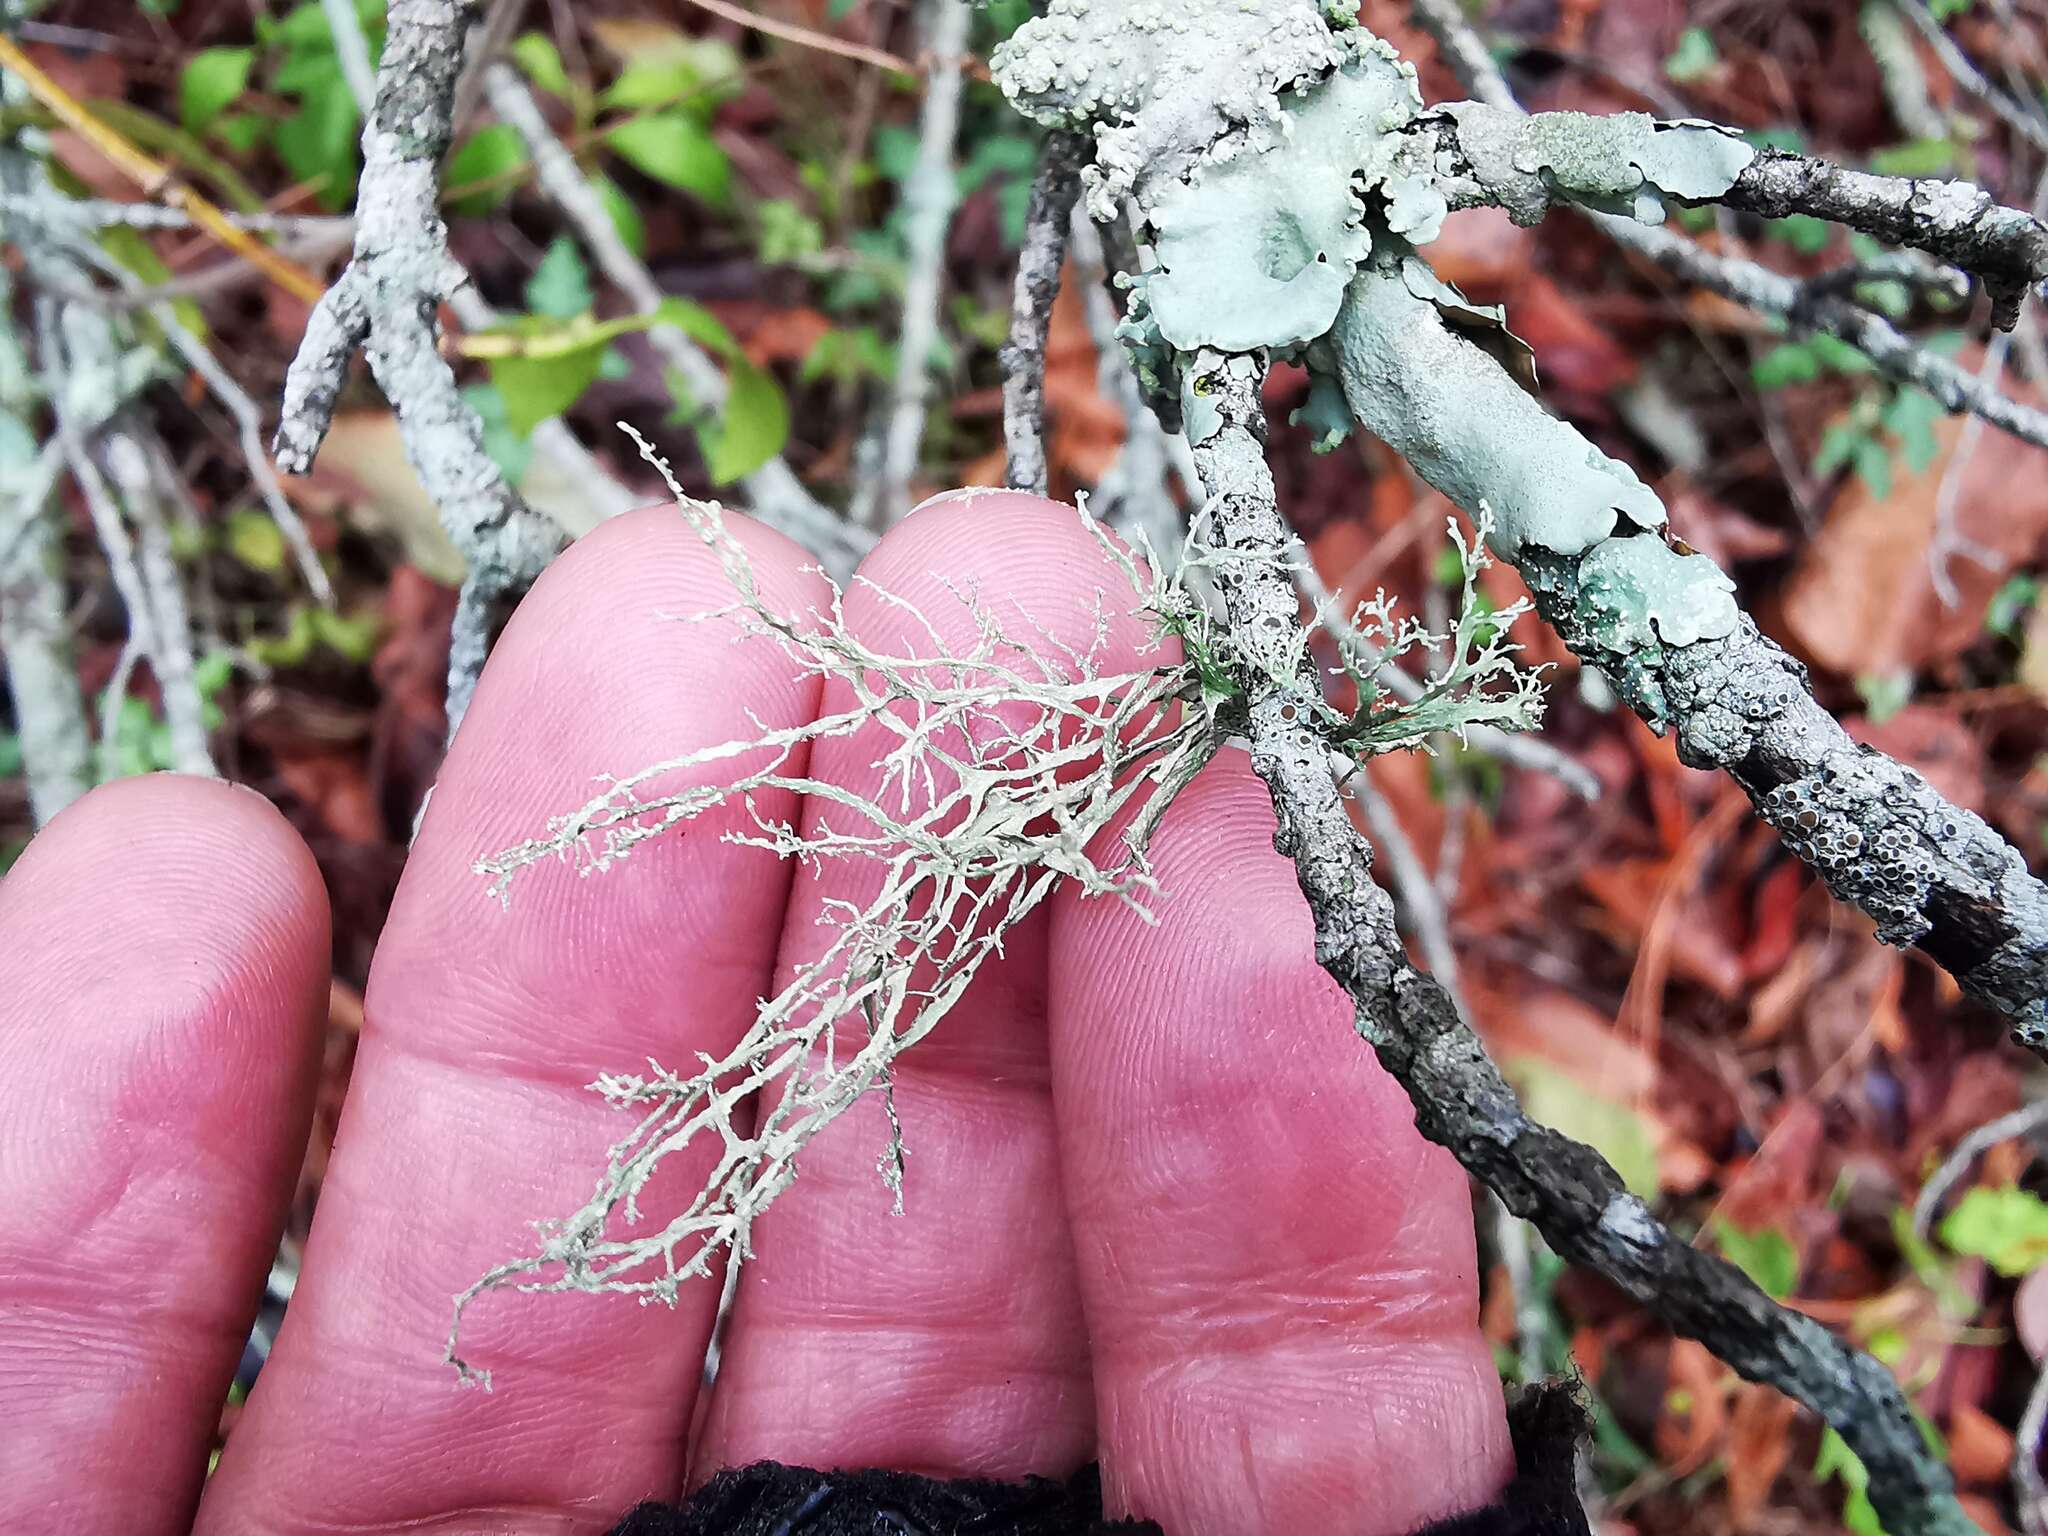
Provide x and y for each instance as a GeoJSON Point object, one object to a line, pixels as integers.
{"type": "Point", "coordinates": [560, 285]}
{"type": "Point", "coordinates": [2006, 1227]}
{"type": "Point", "coordinates": [483, 162]}
{"type": "Point", "coordinates": [212, 79]}
{"type": "Point", "coordinates": [1694, 58]}
{"type": "Point", "coordinates": [540, 61]}
{"type": "Point", "coordinates": [676, 149]}
{"type": "Point", "coordinates": [1766, 1255]}
{"type": "Point", "coordinates": [750, 430]}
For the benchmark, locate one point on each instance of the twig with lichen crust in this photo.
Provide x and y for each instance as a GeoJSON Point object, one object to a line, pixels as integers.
{"type": "Point", "coordinates": [1330, 168]}
{"type": "Point", "coordinates": [1529, 163]}
{"type": "Point", "coordinates": [1046, 224]}
{"type": "Point", "coordinates": [385, 302]}
{"type": "Point", "coordinates": [1571, 1194]}
{"type": "Point", "coordinates": [1745, 282]}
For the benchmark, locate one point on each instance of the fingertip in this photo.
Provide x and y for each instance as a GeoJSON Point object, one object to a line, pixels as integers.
{"type": "Point", "coordinates": [1279, 1273]}
{"type": "Point", "coordinates": [163, 966]}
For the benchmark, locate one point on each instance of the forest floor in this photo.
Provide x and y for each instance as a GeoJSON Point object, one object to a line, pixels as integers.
{"type": "Point", "coordinates": [1659, 976]}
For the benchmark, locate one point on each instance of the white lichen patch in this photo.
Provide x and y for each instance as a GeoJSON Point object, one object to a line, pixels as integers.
{"type": "Point", "coordinates": [1255, 249]}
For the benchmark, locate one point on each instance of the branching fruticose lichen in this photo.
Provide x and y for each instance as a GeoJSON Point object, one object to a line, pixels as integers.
{"type": "Point", "coordinates": [1005, 763]}
{"type": "Point", "coordinates": [1285, 219]}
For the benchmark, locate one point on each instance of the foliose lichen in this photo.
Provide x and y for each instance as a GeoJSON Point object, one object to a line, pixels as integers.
{"type": "Point", "coordinates": [1626, 163]}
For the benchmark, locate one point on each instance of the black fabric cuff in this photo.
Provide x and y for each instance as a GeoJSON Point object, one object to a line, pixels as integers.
{"type": "Point", "coordinates": [769, 1499]}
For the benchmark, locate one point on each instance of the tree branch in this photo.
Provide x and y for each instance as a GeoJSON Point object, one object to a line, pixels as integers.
{"type": "Point", "coordinates": [1744, 282]}
{"type": "Point", "coordinates": [1574, 1198]}
{"type": "Point", "coordinates": [1046, 227]}
{"type": "Point", "coordinates": [386, 301]}
{"type": "Point", "coordinates": [929, 194]}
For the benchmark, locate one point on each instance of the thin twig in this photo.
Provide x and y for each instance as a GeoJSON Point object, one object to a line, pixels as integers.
{"type": "Point", "coordinates": [929, 193]}
{"type": "Point", "coordinates": [1745, 282]}
{"type": "Point", "coordinates": [156, 179]}
{"type": "Point", "coordinates": [385, 302]}
{"type": "Point", "coordinates": [2024, 1121]}
{"type": "Point", "coordinates": [351, 50]}
{"type": "Point", "coordinates": [42, 679]}
{"type": "Point", "coordinates": [804, 37]}
{"type": "Point", "coordinates": [2028, 125]}
{"type": "Point", "coordinates": [1046, 225]}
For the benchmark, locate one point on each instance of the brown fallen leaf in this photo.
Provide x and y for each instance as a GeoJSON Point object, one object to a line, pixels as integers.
{"type": "Point", "coordinates": [1759, 1428]}
{"type": "Point", "coordinates": [1862, 598]}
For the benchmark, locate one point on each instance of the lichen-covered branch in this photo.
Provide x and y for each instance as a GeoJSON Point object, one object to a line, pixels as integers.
{"type": "Point", "coordinates": [1046, 225]}
{"type": "Point", "coordinates": [1745, 282]}
{"type": "Point", "coordinates": [385, 302]}
{"type": "Point", "coordinates": [1571, 1194]}
{"type": "Point", "coordinates": [35, 643]}
{"type": "Point", "coordinates": [774, 494]}
{"type": "Point", "coordinates": [929, 194]}
{"type": "Point", "coordinates": [1632, 164]}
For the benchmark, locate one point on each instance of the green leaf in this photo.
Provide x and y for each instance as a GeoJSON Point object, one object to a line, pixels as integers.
{"type": "Point", "coordinates": [1839, 354]}
{"type": "Point", "coordinates": [2006, 1227]}
{"type": "Point", "coordinates": [537, 57]}
{"type": "Point", "coordinates": [10, 755]}
{"type": "Point", "coordinates": [1766, 1255]}
{"type": "Point", "coordinates": [625, 217]}
{"type": "Point", "coordinates": [353, 638]}
{"type": "Point", "coordinates": [1838, 445]}
{"type": "Point", "coordinates": [242, 131]}
{"type": "Point", "coordinates": [535, 388]}
{"type": "Point", "coordinates": [1694, 57]}
{"type": "Point", "coordinates": [697, 323]}
{"type": "Point", "coordinates": [676, 149]}
{"type": "Point", "coordinates": [318, 144]}
{"type": "Point", "coordinates": [751, 429]}
{"type": "Point", "coordinates": [509, 450]}
{"type": "Point", "coordinates": [1884, 694]}
{"type": "Point", "coordinates": [256, 541]}
{"type": "Point", "coordinates": [560, 286]}
{"type": "Point", "coordinates": [1803, 232]}
{"type": "Point", "coordinates": [1553, 1097]}
{"type": "Point", "coordinates": [487, 155]}
{"type": "Point", "coordinates": [1873, 462]}
{"type": "Point", "coordinates": [209, 81]}
{"type": "Point", "coordinates": [2010, 605]}
{"type": "Point", "coordinates": [1916, 157]}
{"type": "Point", "coordinates": [1911, 418]}
{"type": "Point", "coordinates": [1789, 362]}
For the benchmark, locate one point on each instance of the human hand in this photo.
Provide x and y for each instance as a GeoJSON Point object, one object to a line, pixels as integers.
{"type": "Point", "coordinates": [1162, 1206]}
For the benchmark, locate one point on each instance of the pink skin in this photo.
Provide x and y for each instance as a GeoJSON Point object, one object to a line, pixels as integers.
{"type": "Point", "coordinates": [1164, 1139]}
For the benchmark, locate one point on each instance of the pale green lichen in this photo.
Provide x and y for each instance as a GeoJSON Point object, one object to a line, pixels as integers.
{"type": "Point", "coordinates": [1626, 163]}
{"type": "Point", "coordinates": [1159, 83]}
{"type": "Point", "coordinates": [1255, 248]}
{"type": "Point", "coordinates": [1447, 407]}
{"type": "Point", "coordinates": [1638, 592]}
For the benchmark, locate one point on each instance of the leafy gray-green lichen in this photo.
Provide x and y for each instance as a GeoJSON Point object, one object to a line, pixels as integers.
{"type": "Point", "coordinates": [1626, 163]}
{"type": "Point", "coordinates": [1256, 247]}
{"type": "Point", "coordinates": [1447, 406]}
{"type": "Point", "coordinates": [1637, 592]}
{"type": "Point", "coordinates": [1160, 81]}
